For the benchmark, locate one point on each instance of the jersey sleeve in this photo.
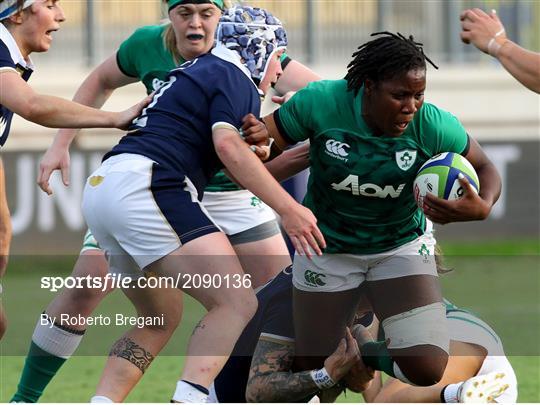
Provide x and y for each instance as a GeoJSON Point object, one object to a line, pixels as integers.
{"type": "Point", "coordinates": [449, 134]}
{"type": "Point", "coordinates": [126, 57]}
{"type": "Point", "coordinates": [6, 63]}
{"type": "Point", "coordinates": [234, 96]}
{"type": "Point", "coordinates": [294, 118]}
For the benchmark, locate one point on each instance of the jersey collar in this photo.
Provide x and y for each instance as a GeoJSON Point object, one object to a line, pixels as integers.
{"type": "Point", "coordinates": [222, 52]}
{"type": "Point", "coordinates": [358, 111]}
{"type": "Point", "coordinates": [14, 50]}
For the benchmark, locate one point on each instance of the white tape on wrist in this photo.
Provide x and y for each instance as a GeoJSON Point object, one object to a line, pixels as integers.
{"type": "Point", "coordinates": [493, 46]}
{"type": "Point", "coordinates": [322, 379]}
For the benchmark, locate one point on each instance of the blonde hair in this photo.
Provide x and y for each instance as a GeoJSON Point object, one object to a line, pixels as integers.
{"type": "Point", "coordinates": [439, 261]}
{"type": "Point", "coordinates": [169, 37]}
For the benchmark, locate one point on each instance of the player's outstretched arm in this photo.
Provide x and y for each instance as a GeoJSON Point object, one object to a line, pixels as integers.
{"type": "Point", "coordinates": [94, 92]}
{"type": "Point", "coordinates": [56, 112]}
{"type": "Point", "coordinates": [298, 221]}
{"type": "Point", "coordinates": [487, 33]}
{"type": "Point", "coordinates": [472, 206]}
{"type": "Point", "coordinates": [271, 379]}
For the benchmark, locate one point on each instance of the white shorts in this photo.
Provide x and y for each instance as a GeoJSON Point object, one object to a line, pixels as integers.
{"type": "Point", "coordinates": [237, 211]}
{"type": "Point", "coordinates": [242, 216]}
{"type": "Point", "coordinates": [140, 211]}
{"type": "Point", "coordinates": [342, 272]}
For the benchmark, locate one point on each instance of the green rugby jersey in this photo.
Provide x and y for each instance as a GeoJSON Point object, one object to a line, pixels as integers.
{"type": "Point", "coordinates": [144, 56]}
{"type": "Point", "coordinates": [360, 186]}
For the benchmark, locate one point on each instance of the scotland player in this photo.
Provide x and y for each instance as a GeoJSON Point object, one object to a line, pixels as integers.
{"type": "Point", "coordinates": [27, 26]}
{"type": "Point", "coordinates": [142, 203]}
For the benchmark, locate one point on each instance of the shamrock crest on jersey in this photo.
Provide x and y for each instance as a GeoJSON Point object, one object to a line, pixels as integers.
{"type": "Point", "coordinates": [405, 159]}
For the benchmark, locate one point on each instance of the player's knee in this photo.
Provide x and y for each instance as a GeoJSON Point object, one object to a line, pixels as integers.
{"type": "Point", "coordinates": [243, 306]}
{"type": "Point", "coordinates": [419, 343]}
{"type": "Point", "coordinates": [247, 306]}
{"type": "Point", "coordinates": [82, 300]}
{"type": "Point", "coordinates": [422, 371]}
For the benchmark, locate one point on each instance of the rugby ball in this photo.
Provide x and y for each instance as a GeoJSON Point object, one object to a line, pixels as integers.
{"type": "Point", "coordinates": [439, 176]}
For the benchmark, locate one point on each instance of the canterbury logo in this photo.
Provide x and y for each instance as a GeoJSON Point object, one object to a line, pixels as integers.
{"type": "Point", "coordinates": [337, 148]}
{"type": "Point", "coordinates": [314, 279]}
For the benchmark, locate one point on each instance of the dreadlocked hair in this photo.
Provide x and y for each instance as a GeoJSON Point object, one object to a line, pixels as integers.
{"type": "Point", "coordinates": [385, 57]}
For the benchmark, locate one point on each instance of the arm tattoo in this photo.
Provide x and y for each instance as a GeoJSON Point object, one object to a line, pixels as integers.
{"type": "Point", "coordinates": [126, 348]}
{"type": "Point", "coordinates": [270, 378]}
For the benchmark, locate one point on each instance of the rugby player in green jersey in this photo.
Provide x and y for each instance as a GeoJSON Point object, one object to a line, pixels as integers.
{"type": "Point", "coordinates": [369, 134]}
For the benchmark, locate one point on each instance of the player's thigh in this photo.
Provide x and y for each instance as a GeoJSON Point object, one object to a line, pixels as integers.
{"type": "Point", "coordinates": [209, 271]}
{"type": "Point", "coordinates": [404, 278]}
{"type": "Point", "coordinates": [263, 259]}
{"type": "Point", "coordinates": [397, 295]}
{"type": "Point", "coordinates": [320, 319]}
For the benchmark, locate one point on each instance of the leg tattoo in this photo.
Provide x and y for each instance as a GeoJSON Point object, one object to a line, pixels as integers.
{"type": "Point", "coordinates": [126, 348]}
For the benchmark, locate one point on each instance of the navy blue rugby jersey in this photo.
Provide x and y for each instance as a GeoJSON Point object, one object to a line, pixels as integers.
{"type": "Point", "coordinates": [175, 130]}
{"type": "Point", "coordinates": [10, 60]}
{"type": "Point", "coordinates": [273, 319]}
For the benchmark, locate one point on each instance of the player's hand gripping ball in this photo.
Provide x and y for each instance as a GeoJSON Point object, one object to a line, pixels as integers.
{"type": "Point", "coordinates": [439, 176]}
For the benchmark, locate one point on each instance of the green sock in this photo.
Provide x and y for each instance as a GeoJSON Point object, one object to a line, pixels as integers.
{"type": "Point", "coordinates": [376, 356]}
{"type": "Point", "coordinates": [39, 369]}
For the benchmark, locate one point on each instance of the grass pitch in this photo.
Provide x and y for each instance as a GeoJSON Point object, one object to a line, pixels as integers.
{"type": "Point", "coordinates": [498, 281]}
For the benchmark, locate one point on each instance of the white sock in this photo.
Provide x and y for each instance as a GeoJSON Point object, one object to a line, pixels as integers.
{"type": "Point", "coordinates": [188, 393]}
{"type": "Point", "coordinates": [55, 340]}
{"type": "Point", "coordinates": [450, 393]}
{"type": "Point", "coordinates": [100, 399]}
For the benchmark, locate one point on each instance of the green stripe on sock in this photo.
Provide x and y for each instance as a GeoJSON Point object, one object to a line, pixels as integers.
{"type": "Point", "coordinates": [376, 356]}
{"type": "Point", "coordinates": [39, 369]}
